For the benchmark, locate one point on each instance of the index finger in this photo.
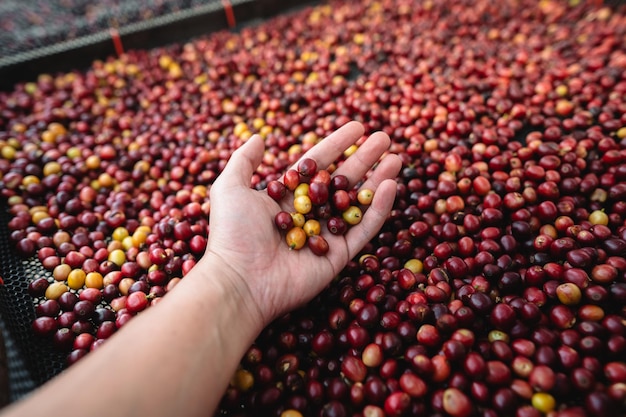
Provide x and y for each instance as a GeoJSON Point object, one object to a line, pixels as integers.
{"type": "Point", "coordinates": [368, 154]}
{"type": "Point", "coordinates": [329, 149]}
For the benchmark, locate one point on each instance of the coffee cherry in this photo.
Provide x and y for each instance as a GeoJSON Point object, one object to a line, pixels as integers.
{"type": "Point", "coordinates": [339, 182]}
{"type": "Point", "coordinates": [318, 245]}
{"type": "Point", "coordinates": [322, 176]}
{"type": "Point", "coordinates": [341, 200]}
{"type": "Point", "coordinates": [352, 216]}
{"type": "Point", "coordinates": [298, 219]}
{"type": "Point", "coordinates": [318, 193]}
{"type": "Point", "coordinates": [307, 167]}
{"type": "Point", "coordinates": [337, 225]}
{"type": "Point", "coordinates": [283, 220]}
{"type": "Point", "coordinates": [301, 189]}
{"type": "Point", "coordinates": [599, 217]}
{"type": "Point", "coordinates": [296, 238]}
{"type": "Point", "coordinates": [365, 196]}
{"type": "Point", "coordinates": [456, 403]}
{"type": "Point", "coordinates": [137, 301]}
{"type": "Point", "coordinates": [543, 402]}
{"type": "Point", "coordinates": [312, 227]}
{"type": "Point", "coordinates": [276, 190]}
{"type": "Point", "coordinates": [291, 179]}
{"type": "Point", "coordinates": [302, 204]}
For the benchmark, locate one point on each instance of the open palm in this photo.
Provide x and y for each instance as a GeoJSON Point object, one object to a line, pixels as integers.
{"type": "Point", "coordinates": [245, 240]}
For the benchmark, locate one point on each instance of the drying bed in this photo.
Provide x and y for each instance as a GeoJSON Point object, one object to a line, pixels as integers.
{"type": "Point", "coordinates": [496, 287]}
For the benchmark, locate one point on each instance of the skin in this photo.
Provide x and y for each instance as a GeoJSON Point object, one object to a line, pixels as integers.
{"type": "Point", "coordinates": [177, 357]}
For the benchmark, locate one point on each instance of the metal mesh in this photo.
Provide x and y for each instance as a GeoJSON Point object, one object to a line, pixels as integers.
{"type": "Point", "coordinates": [32, 24]}
{"type": "Point", "coordinates": [31, 361]}
{"type": "Point", "coordinates": [27, 49]}
{"type": "Point", "coordinates": [20, 381]}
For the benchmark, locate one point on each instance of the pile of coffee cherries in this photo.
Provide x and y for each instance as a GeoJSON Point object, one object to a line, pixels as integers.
{"type": "Point", "coordinates": [496, 287]}
{"type": "Point", "coordinates": [316, 196]}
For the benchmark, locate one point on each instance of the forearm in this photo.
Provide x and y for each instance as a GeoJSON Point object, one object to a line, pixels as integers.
{"type": "Point", "coordinates": [177, 355]}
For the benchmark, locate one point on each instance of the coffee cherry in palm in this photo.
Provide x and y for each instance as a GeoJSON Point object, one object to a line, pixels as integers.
{"type": "Point", "coordinates": [302, 204]}
{"type": "Point", "coordinates": [352, 215]}
{"type": "Point", "coordinates": [318, 193]}
{"type": "Point", "coordinates": [365, 196]}
{"type": "Point", "coordinates": [276, 190]}
{"type": "Point", "coordinates": [291, 179]}
{"type": "Point", "coordinates": [337, 225]}
{"type": "Point", "coordinates": [296, 238]}
{"type": "Point", "coordinates": [283, 220]}
{"type": "Point", "coordinates": [318, 245]}
{"type": "Point", "coordinates": [307, 168]}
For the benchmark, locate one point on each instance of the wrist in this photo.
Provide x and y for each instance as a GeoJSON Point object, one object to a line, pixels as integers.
{"type": "Point", "coordinates": [226, 289]}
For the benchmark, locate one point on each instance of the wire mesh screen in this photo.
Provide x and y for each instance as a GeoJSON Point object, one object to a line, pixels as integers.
{"type": "Point", "coordinates": [30, 360]}
{"type": "Point", "coordinates": [63, 35]}
{"type": "Point", "coordinates": [31, 24]}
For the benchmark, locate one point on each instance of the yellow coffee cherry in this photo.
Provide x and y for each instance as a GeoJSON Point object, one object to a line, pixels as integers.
{"type": "Point", "coordinates": [93, 162]}
{"type": "Point", "coordinates": [30, 179]}
{"type": "Point", "coordinates": [117, 256]}
{"type": "Point", "coordinates": [365, 196]}
{"type": "Point", "coordinates": [291, 413]}
{"type": "Point", "coordinates": [414, 265]}
{"type": "Point", "coordinates": [295, 238]}
{"type": "Point", "coordinates": [301, 189]}
{"type": "Point", "coordinates": [94, 280]}
{"type": "Point", "coordinates": [119, 234]}
{"type": "Point", "coordinates": [243, 380]}
{"type": "Point", "coordinates": [350, 151]}
{"type": "Point", "coordinates": [543, 402]}
{"type": "Point", "coordinates": [599, 217]}
{"type": "Point", "coordinates": [55, 290]}
{"type": "Point", "coordinates": [51, 168]}
{"type": "Point", "coordinates": [61, 272]}
{"type": "Point", "coordinates": [76, 279]}
{"type": "Point", "coordinates": [312, 227]}
{"type": "Point", "coordinates": [139, 237]}
{"type": "Point", "coordinates": [302, 204]}
{"type": "Point", "coordinates": [352, 215]}
{"type": "Point", "coordinates": [298, 219]}
{"type": "Point", "coordinates": [128, 242]}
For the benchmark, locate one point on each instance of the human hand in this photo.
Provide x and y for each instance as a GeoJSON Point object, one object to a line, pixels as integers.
{"type": "Point", "coordinates": [250, 253]}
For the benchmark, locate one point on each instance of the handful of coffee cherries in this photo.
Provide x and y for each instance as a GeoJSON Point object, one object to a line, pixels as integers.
{"type": "Point", "coordinates": [317, 197]}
